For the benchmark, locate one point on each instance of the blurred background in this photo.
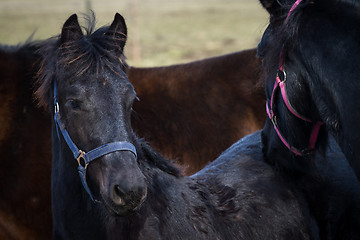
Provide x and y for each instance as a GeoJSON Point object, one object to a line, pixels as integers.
{"type": "Point", "coordinates": [160, 32]}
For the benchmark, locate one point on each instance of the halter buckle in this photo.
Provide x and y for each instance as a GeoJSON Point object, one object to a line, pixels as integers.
{"type": "Point", "coordinates": [273, 120]}
{"type": "Point", "coordinates": [81, 156]}
{"type": "Point", "coordinates": [56, 107]}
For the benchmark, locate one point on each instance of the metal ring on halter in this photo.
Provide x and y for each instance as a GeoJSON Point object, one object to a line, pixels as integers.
{"type": "Point", "coordinates": [82, 156]}
{"type": "Point", "coordinates": [56, 107]}
{"type": "Point", "coordinates": [283, 77]}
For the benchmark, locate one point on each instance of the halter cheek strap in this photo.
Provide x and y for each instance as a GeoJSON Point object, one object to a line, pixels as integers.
{"type": "Point", "coordinates": [270, 112]}
{"type": "Point", "coordinates": [292, 9]}
{"type": "Point", "coordinates": [84, 158]}
{"type": "Point", "coordinates": [280, 83]}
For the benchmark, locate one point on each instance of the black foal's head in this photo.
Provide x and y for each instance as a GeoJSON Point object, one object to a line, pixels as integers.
{"type": "Point", "coordinates": [95, 102]}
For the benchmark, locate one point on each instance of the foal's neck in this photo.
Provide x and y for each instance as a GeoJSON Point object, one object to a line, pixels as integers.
{"type": "Point", "coordinates": [75, 215]}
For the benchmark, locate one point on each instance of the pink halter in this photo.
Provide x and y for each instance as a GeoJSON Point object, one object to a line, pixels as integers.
{"type": "Point", "coordinates": [292, 9]}
{"type": "Point", "coordinates": [269, 108]}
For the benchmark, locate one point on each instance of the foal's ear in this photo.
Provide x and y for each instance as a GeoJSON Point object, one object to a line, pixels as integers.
{"type": "Point", "coordinates": [71, 30]}
{"type": "Point", "coordinates": [118, 31]}
{"type": "Point", "coordinates": [270, 5]}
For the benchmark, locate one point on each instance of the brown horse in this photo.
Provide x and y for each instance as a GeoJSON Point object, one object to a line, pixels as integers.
{"type": "Point", "coordinates": [182, 108]}
{"type": "Point", "coordinates": [193, 134]}
{"type": "Point", "coordinates": [25, 151]}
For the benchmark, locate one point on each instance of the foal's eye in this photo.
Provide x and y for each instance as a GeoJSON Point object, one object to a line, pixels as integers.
{"type": "Point", "coordinates": [73, 104]}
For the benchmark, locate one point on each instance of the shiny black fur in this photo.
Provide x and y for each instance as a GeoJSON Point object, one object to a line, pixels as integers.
{"type": "Point", "coordinates": [320, 45]}
{"type": "Point", "coordinates": [237, 196]}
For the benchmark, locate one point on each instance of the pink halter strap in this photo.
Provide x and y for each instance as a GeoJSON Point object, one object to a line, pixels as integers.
{"type": "Point", "coordinates": [269, 109]}
{"type": "Point", "coordinates": [292, 9]}
{"type": "Point", "coordinates": [280, 83]}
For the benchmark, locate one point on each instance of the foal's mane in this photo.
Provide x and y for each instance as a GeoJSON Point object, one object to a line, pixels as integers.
{"type": "Point", "coordinates": [156, 159]}
{"type": "Point", "coordinates": [91, 54]}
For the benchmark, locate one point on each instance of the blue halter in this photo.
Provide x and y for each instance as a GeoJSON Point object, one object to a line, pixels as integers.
{"type": "Point", "coordinates": [84, 158]}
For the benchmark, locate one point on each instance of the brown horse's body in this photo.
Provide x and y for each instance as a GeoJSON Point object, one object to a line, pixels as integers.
{"type": "Point", "coordinates": [25, 150]}
{"type": "Point", "coordinates": [190, 112]}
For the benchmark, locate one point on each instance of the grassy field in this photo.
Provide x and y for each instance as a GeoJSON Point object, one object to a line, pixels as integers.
{"type": "Point", "coordinates": [160, 32]}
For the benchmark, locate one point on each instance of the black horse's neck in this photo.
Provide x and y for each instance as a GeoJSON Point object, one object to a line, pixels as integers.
{"type": "Point", "coordinates": [69, 198]}
{"type": "Point", "coordinates": [283, 160]}
{"type": "Point", "coordinates": [324, 179]}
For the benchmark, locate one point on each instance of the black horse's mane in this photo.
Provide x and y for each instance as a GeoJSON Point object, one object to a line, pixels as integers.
{"type": "Point", "coordinates": [92, 53]}
{"type": "Point", "coordinates": [157, 160]}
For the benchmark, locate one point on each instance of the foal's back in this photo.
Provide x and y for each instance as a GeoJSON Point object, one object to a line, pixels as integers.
{"type": "Point", "coordinates": [237, 196]}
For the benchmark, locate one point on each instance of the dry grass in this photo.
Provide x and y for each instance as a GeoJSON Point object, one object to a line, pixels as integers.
{"type": "Point", "coordinates": [161, 32]}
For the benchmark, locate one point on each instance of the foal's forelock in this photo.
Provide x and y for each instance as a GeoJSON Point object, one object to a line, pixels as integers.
{"type": "Point", "coordinates": [90, 54]}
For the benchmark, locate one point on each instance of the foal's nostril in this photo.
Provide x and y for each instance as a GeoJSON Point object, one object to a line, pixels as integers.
{"type": "Point", "coordinates": [118, 195]}
{"type": "Point", "coordinates": [130, 199]}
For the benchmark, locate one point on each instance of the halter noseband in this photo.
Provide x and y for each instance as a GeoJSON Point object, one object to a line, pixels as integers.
{"type": "Point", "coordinates": [84, 158]}
{"type": "Point", "coordinates": [280, 81]}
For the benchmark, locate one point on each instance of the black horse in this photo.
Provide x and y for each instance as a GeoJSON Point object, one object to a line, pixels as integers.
{"type": "Point", "coordinates": [310, 52]}
{"type": "Point", "coordinates": [319, 46]}
{"type": "Point", "coordinates": [138, 194]}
